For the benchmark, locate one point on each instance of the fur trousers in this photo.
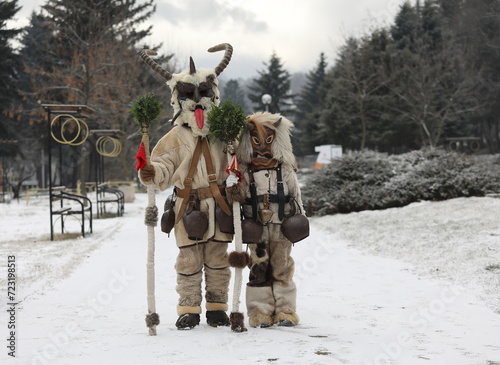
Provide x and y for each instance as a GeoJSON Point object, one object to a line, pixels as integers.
{"type": "Point", "coordinates": [193, 262]}
{"type": "Point", "coordinates": [271, 289]}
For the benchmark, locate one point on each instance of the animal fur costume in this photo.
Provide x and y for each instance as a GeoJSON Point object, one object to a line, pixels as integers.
{"type": "Point", "coordinates": [265, 145]}
{"type": "Point", "coordinates": [194, 92]}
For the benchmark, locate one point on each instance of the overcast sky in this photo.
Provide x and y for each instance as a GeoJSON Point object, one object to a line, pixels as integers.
{"type": "Point", "coordinates": [296, 30]}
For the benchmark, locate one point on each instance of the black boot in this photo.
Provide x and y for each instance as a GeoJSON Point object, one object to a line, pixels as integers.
{"type": "Point", "coordinates": [217, 318]}
{"type": "Point", "coordinates": [285, 323]}
{"type": "Point", "coordinates": [187, 321]}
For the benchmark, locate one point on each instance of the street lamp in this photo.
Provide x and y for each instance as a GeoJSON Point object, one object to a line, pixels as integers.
{"type": "Point", "coordinates": [266, 100]}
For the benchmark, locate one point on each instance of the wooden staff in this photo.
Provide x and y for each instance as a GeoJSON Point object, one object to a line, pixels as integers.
{"type": "Point", "coordinates": [146, 109]}
{"type": "Point", "coordinates": [238, 259]}
{"type": "Point", "coordinates": [151, 220]}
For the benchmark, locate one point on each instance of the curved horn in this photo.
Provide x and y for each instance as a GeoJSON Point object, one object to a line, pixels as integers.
{"type": "Point", "coordinates": [227, 56]}
{"type": "Point", "coordinates": [192, 67]}
{"type": "Point", "coordinates": [145, 53]}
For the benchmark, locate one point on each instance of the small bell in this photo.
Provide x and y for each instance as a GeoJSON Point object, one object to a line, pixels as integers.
{"type": "Point", "coordinates": [265, 215]}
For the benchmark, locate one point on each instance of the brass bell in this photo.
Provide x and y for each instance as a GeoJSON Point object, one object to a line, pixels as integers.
{"type": "Point", "coordinates": [265, 215]}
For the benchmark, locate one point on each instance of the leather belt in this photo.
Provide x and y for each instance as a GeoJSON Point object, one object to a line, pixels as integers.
{"type": "Point", "coordinates": [201, 193]}
{"type": "Point", "coordinates": [271, 198]}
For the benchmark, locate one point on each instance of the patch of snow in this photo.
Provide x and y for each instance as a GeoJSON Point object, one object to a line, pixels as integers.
{"type": "Point", "coordinates": [399, 286]}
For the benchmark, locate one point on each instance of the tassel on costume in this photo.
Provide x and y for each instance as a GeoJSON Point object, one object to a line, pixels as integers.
{"type": "Point", "coordinates": [151, 217]}
{"type": "Point", "coordinates": [238, 259]}
{"type": "Point", "coordinates": [237, 321]}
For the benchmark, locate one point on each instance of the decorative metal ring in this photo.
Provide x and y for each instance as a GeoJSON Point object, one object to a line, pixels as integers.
{"type": "Point", "coordinates": [102, 146]}
{"type": "Point", "coordinates": [78, 134]}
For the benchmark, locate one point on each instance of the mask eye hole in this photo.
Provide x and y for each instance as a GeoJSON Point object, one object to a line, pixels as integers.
{"type": "Point", "coordinates": [206, 90]}
{"type": "Point", "coordinates": [270, 139]}
{"type": "Point", "coordinates": [255, 141]}
{"type": "Point", "coordinates": [206, 93]}
{"type": "Point", "coordinates": [185, 90]}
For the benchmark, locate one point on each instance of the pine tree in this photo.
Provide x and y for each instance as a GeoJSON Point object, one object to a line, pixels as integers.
{"type": "Point", "coordinates": [274, 81]}
{"type": "Point", "coordinates": [9, 59]}
{"type": "Point", "coordinates": [10, 65]}
{"type": "Point", "coordinates": [479, 29]}
{"type": "Point", "coordinates": [87, 54]}
{"type": "Point", "coordinates": [406, 25]}
{"type": "Point", "coordinates": [306, 134]}
{"type": "Point", "coordinates": [232, 91]}
{"type": "Point", "coordinates": [435, 82]}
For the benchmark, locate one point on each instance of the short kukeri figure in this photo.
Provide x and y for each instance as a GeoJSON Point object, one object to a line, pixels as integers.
{"type": "Point", "coordinates": [272, 217]}
{"type": "Point", "coordinates": [196, 166]}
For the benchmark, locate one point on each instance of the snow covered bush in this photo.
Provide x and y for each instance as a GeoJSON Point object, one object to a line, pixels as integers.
{"type": "Point", "coordinates": [370, 180]}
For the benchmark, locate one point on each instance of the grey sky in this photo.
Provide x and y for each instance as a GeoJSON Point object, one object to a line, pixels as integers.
{"type": "Point", "coordinates": [296, 30]}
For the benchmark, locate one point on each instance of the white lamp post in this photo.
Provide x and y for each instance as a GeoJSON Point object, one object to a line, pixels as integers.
{"type": "Point", "coordinates": [266, 100]}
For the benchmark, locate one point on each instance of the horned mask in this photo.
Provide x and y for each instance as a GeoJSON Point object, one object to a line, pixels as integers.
{"type": "Point", "coordinates": [265, 141]}
{"type": "Point", "coordinates": [194, 91]}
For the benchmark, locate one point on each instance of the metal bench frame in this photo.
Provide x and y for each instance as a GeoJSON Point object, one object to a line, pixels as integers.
{"type": "Point", "coordinates": [60, 194]}
{"type": "Point", "coordinates": [106, 194]}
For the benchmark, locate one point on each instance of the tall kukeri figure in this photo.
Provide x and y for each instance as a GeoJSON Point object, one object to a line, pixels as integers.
{"type": "Point", "coordinates": [196, 166]}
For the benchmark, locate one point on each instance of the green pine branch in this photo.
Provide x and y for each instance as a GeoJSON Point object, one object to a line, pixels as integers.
{"type": "Point", "coordinates": [226, 121]}
{"type": "Point", "coordinates": [145, 110]}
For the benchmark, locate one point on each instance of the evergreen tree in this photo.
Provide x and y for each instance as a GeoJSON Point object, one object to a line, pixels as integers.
{"type": "Point", "coordinates": [275, 81]}
{"type": "Point", "coordinates": [86, 53]}
{"type": "Point", "coordinates": [233, 92]}
{"type": "Point", "coordinates": [9, 71]}
{"type": "Point", "coordinates": [9, 59]}
{"type": "Point", "coordinates": [479, 30]}
{"type": "Point", "coordinates": [435, 82]}
{"type": "Point", "coordinates": [306, 134]}
{"type": "Point", "coordinates": [356, 103]}
{"type": "Point", "coordinates": [406, 25]}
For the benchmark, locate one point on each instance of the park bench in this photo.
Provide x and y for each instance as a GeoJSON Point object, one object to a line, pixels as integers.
{"type": "Point", "coordinates": [107, 194]}
{"type": "Point", "coordinates": [69, 205]}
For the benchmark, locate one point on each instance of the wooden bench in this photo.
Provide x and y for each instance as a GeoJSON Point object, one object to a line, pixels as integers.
{"type": "Point", "coordinates": [106, 194]}
{"type": "Point", "coordinates": [69, 204]}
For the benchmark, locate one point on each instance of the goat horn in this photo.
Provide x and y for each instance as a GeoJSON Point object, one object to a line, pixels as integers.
{"type": "Point", "coordinates": [145, 55]}
{"type": "Point", "coordinates": [192, 67]}
{"type": "Point", "coordinates": [227, 56]}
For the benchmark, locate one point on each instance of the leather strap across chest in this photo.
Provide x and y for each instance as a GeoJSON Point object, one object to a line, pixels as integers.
{"type": "Point", "coordinates": [279, 198]}
{"type": "Point", "coordinates": [201, 147]}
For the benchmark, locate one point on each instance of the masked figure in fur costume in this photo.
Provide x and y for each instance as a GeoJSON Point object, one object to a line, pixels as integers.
{"type": "Point", "coordinates": [270, 194]}
{"type": "Point", "coordinates": [196, 168]}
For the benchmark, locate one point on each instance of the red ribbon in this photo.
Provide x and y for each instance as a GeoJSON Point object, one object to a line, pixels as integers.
{"type": "Point", "coordinates": [140, 157]}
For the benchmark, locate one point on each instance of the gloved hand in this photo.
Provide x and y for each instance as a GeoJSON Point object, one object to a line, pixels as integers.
{"type": "Point", "coordinates": [147, 173]}
{"type": "Point", "coordinates": [231, 180]}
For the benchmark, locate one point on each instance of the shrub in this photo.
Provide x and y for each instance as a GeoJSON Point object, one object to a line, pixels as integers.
{"type": "Point", "coordinates": [369, 180]}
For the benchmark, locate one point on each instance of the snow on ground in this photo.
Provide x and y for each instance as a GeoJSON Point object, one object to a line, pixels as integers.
{"type": "Point", "coordinates": [412, 285]}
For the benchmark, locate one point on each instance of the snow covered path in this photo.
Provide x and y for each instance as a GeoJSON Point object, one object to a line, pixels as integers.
{"type": "Point", "coordinates": [355, 308]}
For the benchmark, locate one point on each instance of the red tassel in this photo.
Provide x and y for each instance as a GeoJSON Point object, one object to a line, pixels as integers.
{"type": "Point", "coordinates": [140, 157]}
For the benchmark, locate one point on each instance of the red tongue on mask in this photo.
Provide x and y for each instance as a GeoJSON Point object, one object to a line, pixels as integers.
{"type": "Point", "coordinates": [199, 116]}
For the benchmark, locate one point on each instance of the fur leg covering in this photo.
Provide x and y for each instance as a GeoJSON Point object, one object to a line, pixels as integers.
{"type": "Point", "coordinates": [260, 320]}
{"type": "Point", "coordinates": [185, 309]}
{"type": "Point", "coordinates": [288, 319]}
{"type": "Point", "coordinates": [260, 305]}
{"type": "Point", "coordinates": [286, 298]}
{"type": "Point", "coordinates": [237, 321]}
{"type": "Point", "coordinates": [216, 306]}
{"type": "Point", "coordinates": [239, 260]}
